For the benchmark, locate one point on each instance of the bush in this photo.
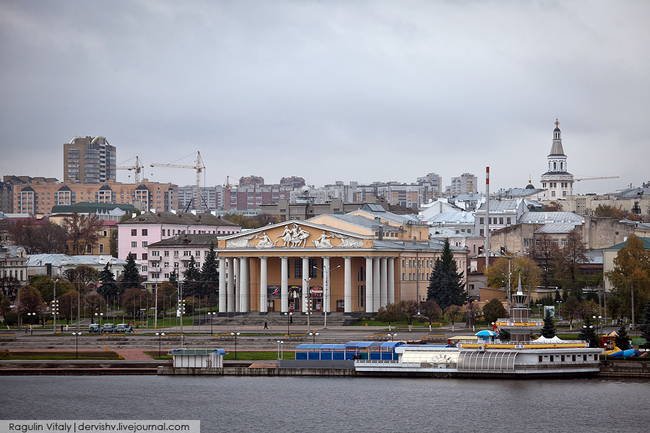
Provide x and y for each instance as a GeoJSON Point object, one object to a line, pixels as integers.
{"type": "Point", "coordinates": [11, 319]}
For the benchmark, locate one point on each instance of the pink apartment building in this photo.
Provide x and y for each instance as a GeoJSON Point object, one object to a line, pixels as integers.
{"type": "Point", "coordinates": [135, 235]}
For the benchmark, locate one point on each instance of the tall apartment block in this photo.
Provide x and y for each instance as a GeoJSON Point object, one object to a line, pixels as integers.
{"type": "Point", "coordinates": [89, 160]}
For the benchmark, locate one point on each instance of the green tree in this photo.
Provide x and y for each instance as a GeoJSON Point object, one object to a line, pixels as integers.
{"type": "Point", "coordinates": [622, 340]}
{"type": "Point", "coordinates": [68, 305]}
{"type": "Point", "coordinates": [548, 330]}
{"type": "Point", "coordinates": [30, 301]}
{"type": "Point", "coordinates": [390, 314]}
{"type": "Point", "coordinates": [407, 311]}
{"type": "Point", "coordinates": [631, 272]}
{"type": "Point", "coordinates": [192, 279]}
{"type": "Point", "coordinates": [108, 288]}
{"type": "Point", "coordinates": [81, 276]}
{"type": "Point", "coordinates": [645, 322]}
{"type": "Point", "coordinates": [446, 285]}
{"type": "Point", "coordinates": [45, 285]}
{"type": "Point", "coordinates": [210, 274]}
{"type": "Point", "coordinates": [131, 275]}
{"type": "Point", "coordinates": [588, 332]}
{"type": "Point", "coordinates": [493, 310]}
{"type": "Point", "coordinates": [568, 260]}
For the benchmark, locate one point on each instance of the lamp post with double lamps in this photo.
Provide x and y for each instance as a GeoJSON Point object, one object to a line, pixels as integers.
{"type": "Point", "coordinates": [99, 315]}
{"type": "Point", "coordinates": [392, 335]}
{"type": "Point", "coordinates": [160, 336]}
{"type": "Point", "coordinates": [210, 316]}
{"type": "Point", "coordinates": [76, 343]}
{"type": "Point", "coordinates": [235, 334]}
{"type": "Point", "coordinates": [313, 336]}
{"type": "Point", "coordinates": [280, 344]}
{"type": "Point", "coordinates": [31, 322]}
{"type": "Point", "coordinates": [55, 307]}
{"type": "Point", "coordinates": [289, 320]}
{"type": "Point", "coordinates": [539, 309]}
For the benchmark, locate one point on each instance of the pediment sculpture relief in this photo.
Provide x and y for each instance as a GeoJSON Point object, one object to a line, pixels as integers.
{"type": "Point", "coordinates": [242, 242]}
{"type": "Point", "coordinates": [265, 241]}
{"type": "Point", "coordinates": [294, 236]}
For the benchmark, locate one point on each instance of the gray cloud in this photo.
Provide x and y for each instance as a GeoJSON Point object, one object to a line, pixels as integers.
{"type": "Point", "coordinates": [330, 90]}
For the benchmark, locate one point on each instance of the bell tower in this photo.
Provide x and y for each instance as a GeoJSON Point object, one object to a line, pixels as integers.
{"type": "Point", "coordinates": [557, 181]}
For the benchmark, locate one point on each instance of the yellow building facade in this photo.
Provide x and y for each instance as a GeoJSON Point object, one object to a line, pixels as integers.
{"type": "Point", "coordinates": [292, 265]}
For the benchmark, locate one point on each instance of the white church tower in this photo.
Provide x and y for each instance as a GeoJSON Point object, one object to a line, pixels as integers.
{"type": "Point", "coordinates": [557, 181]}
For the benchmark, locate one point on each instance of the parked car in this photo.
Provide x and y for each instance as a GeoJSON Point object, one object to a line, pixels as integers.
{"type": "Point", "coordinates": [94, 327]}
{"type": "Point", "coordinates": [108, 327]}
{"type": "Point", "coordinates": [123, 328]}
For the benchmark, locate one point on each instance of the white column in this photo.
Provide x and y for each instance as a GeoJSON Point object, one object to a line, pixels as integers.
{"type": "Point", "coordinates": [391, 280]}
{"type": "Point", "coordinates": [376, 293]}
{"type": "Point", "coordinates": [327, 299]}
{"type": "Point", "coordinates": [369, 291]}
{"type": "Point", "coordinates": [284, 285]}
{"type": "Point", "coordinates": [222, 285]}
{"type": "Point", "coordinates": [347, 284]}
{"type": "Point", "coordinates": [231, 286]}
{"type": "Point", "coordinates": [263, 285]}
{"type": "Point", "coordinates": [384, 282]}
{"type": "Point", "coordinates": [305, 284]}
{"type": "Point", "coordinates": [237, 285]}
{"type": "Point", "coordinates": [244, 289]}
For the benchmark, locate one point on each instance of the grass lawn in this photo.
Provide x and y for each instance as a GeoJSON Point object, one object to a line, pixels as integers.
{"type": "Point", "coordinates": [17, 355]}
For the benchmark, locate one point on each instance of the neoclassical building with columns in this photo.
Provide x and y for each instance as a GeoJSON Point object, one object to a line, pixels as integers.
{"type": "Point", "coordinates": [288, 266]}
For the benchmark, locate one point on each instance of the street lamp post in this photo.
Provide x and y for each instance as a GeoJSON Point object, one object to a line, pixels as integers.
{"type": "Point", "coordinates": [99, 315]}
{"type": "Point", "coordinates": [211, 315]}
{"type": "Point", "coordinates": [235, 334]}
{"type": "Point", "coordinates": [392, 335]}
{"type": "Point", "coordinates": [55, 306]}
{"type": "Point", "coordinates": [289, 319]}
{"type": "Point", "coordinates": [31, 322]}
{"type": "Point", "coordinates": [76, 343]}
{"type": "Point", "coordinates": [160, 336]}
{"type": "Point", "coordinates": [313, 336]}
{"type": "Point", "coordinates": [539, 309]}
{"type": "Point", "coordinates": [559, 308]}
{"type": "Point", "coordinates": [280, 345]}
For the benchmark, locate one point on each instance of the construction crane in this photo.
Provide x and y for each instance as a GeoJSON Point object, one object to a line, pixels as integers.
{"type": "Point", "coordinates": [199, 167]}
{"type": "Point", "coordinates": [596, 178]}
{"type": "Point", "coordinates": [137, 168]}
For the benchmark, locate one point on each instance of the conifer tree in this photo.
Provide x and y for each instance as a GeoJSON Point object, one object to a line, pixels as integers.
{"type": "Point", "coordinates": [588, 332]}
{"type": "Point", "coordinates": [191, 282]}
{"type": "Point", "coordinates": [109, 287]}
{"type": "Point", "coordinates": [446, 285]}
{"type": "Point", "coordinates": [131, 275]}
{"type": "Point", "coordinates": [210, 273]}
{"type": "Point", "coordinates": [622, 340]}
{"type": "Point", "coordinates": [548, 330]}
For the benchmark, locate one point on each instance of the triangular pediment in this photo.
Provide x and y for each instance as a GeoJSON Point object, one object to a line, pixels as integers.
{"type": "Point", "coordinates": [296, 235]}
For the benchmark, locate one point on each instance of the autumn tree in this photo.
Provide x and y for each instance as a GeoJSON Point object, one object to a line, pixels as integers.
{"type": "Point", "coordinates": [497, 273]}
{"type": "Point", "coordinates": [544, 252]}
{"type": "Point", "coordinates": [82, 230]}
{"type": "Point", "coordinates": [81, 276]}
{"type": "Point", "coordinates": [645, 323]}
{"type": "Point", "coordinates": [569, 258]}
{"type": "Point", "coordinates": [9, 286]}
{"type": "Point", "coordinates": [607, 211]}
{"type": "Point", "coordinates": [631, 272]}
{"type": "Point", "coordinates": [30, 300]}
{"type": "Point", "coordinates": [68, 305]}
{"type": "Point", "coordinates": [407, 312]}
{"type": "Point", "coordinates": [453, 314]}
{"type": "Point", "coordinates": [446, 286]}
{"type": "Point", "coordinates": [571, 308]}
{"type": "Point", "coordinates": [94, 303]}
{"type": "Point", "coordinates": [431, 311]}
{"type": "Point", "coordinates": [38, 236]}
{"type": "Point", "coordinates": [390, 314]}
{"type": "Point", "coordinates": [134, 299]}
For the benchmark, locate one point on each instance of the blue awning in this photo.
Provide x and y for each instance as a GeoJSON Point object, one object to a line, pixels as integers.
{"type": "Point", "coordinates": [392, 344]}
{"type": "Point", "coordinates": [333, 346]}
{"type": "Point", "coordinates": [305, 346]}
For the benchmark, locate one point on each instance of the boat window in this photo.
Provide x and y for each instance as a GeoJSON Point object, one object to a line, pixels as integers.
{"type": "Point", "coordinates": [551, 358]}
{"type": "Point", "coordinates": [540, 358]}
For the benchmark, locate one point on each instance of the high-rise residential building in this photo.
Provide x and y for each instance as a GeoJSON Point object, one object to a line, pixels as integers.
{"type": "Point", "coordinates": [466, 183]}
{"type": "Point", "coordinates": [89, 160]}
{"type": "Point", "coordinates": [557, 181]}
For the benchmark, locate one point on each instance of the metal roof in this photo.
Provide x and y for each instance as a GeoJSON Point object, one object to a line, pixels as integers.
{"type": "Point", "coordinates": [550, 217]}
{"type": "Point", "coordinates": [180, 218]}
{"type": "Point", "coordinates": [72, 261]}
{"type": "Point", "coordinates": [198, 351]}
{"type": "Point", "coordinates": [557, 228]}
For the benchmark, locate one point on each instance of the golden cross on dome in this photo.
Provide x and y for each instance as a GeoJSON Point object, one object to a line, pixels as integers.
{"type": "Point", "coordinates": [557, 123]}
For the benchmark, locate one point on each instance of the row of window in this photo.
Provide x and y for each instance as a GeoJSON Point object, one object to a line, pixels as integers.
{"type": "Point", "coordinates": [567, 358]}
{"type": "Point", "coordinates": [495, 220]}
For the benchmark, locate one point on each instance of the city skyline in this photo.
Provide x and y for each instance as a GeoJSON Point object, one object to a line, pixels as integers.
{"type": "Point", "coordinates": [366, 92]}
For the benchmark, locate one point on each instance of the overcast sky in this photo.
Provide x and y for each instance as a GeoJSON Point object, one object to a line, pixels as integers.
{"type": "Point", "coordinates": [331, 90]}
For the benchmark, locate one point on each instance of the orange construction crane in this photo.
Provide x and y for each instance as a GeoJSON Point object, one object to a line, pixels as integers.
{"type": "Point", "coordinates": [199, 167]}
{"type": "Point", "coordinates": [137, 168]}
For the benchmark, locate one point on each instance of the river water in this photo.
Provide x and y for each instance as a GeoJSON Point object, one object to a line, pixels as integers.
{"type": "Point", "coordinates": [287, 404]}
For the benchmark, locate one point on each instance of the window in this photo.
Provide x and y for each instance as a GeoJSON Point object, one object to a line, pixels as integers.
{"type": "Point", "coordinates": [155, 275]}
{"type": "Point", "coordinates": [134, 232]}
{"type": "Point", "coordinates": [175, 264]}
{"type": "Point", "coordinates": [134, 245]}
{"type": "Point", "coordinates": [481, 220]}
{"type": "Point", "coordinates": [509, 220]}
{"type": "Point", "coordinates": [166, 264]}
{"type": "Point", "coordinates": [145, 256]}
{"type": "Point", "coordinates": [501, 220]}
{"type": "Point", "coordinates": [145, 244]}
{"type": "Point", "coordinates": [144, 268]}
{"type": "Point", "coordinates": [167, 276]}
{"type": "Point", "coordinates": [198, 254]}
{"type": "Point", "coordinates": [145, 232]}
{"type": "Point", "coordinates": [552, 193]}
{"type": "Point", "coordinates": [186, 253]}
{"type": "Point", "coordinates": [313, 270]}
{"type": "Point", "coordinates": [297, 269]}
{"type": "Point", "coordinates": [101, 248]}
{"type": "Point", "coordinates": [403, 276]}
{"type": "Point", "coordinates": [89, 249]}
{"type": "Point", "coordinates": [105, 233]}
{"type": "Point", "coordinates": [176, 254]}
{"type": "Point", "coordinates": [155, 254]}
{"type": "Point", "coordinates": [166, 253]}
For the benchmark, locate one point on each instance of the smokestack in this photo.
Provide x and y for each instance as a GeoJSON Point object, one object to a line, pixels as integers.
{"type": "Point", "coordinates": [487, 218]}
